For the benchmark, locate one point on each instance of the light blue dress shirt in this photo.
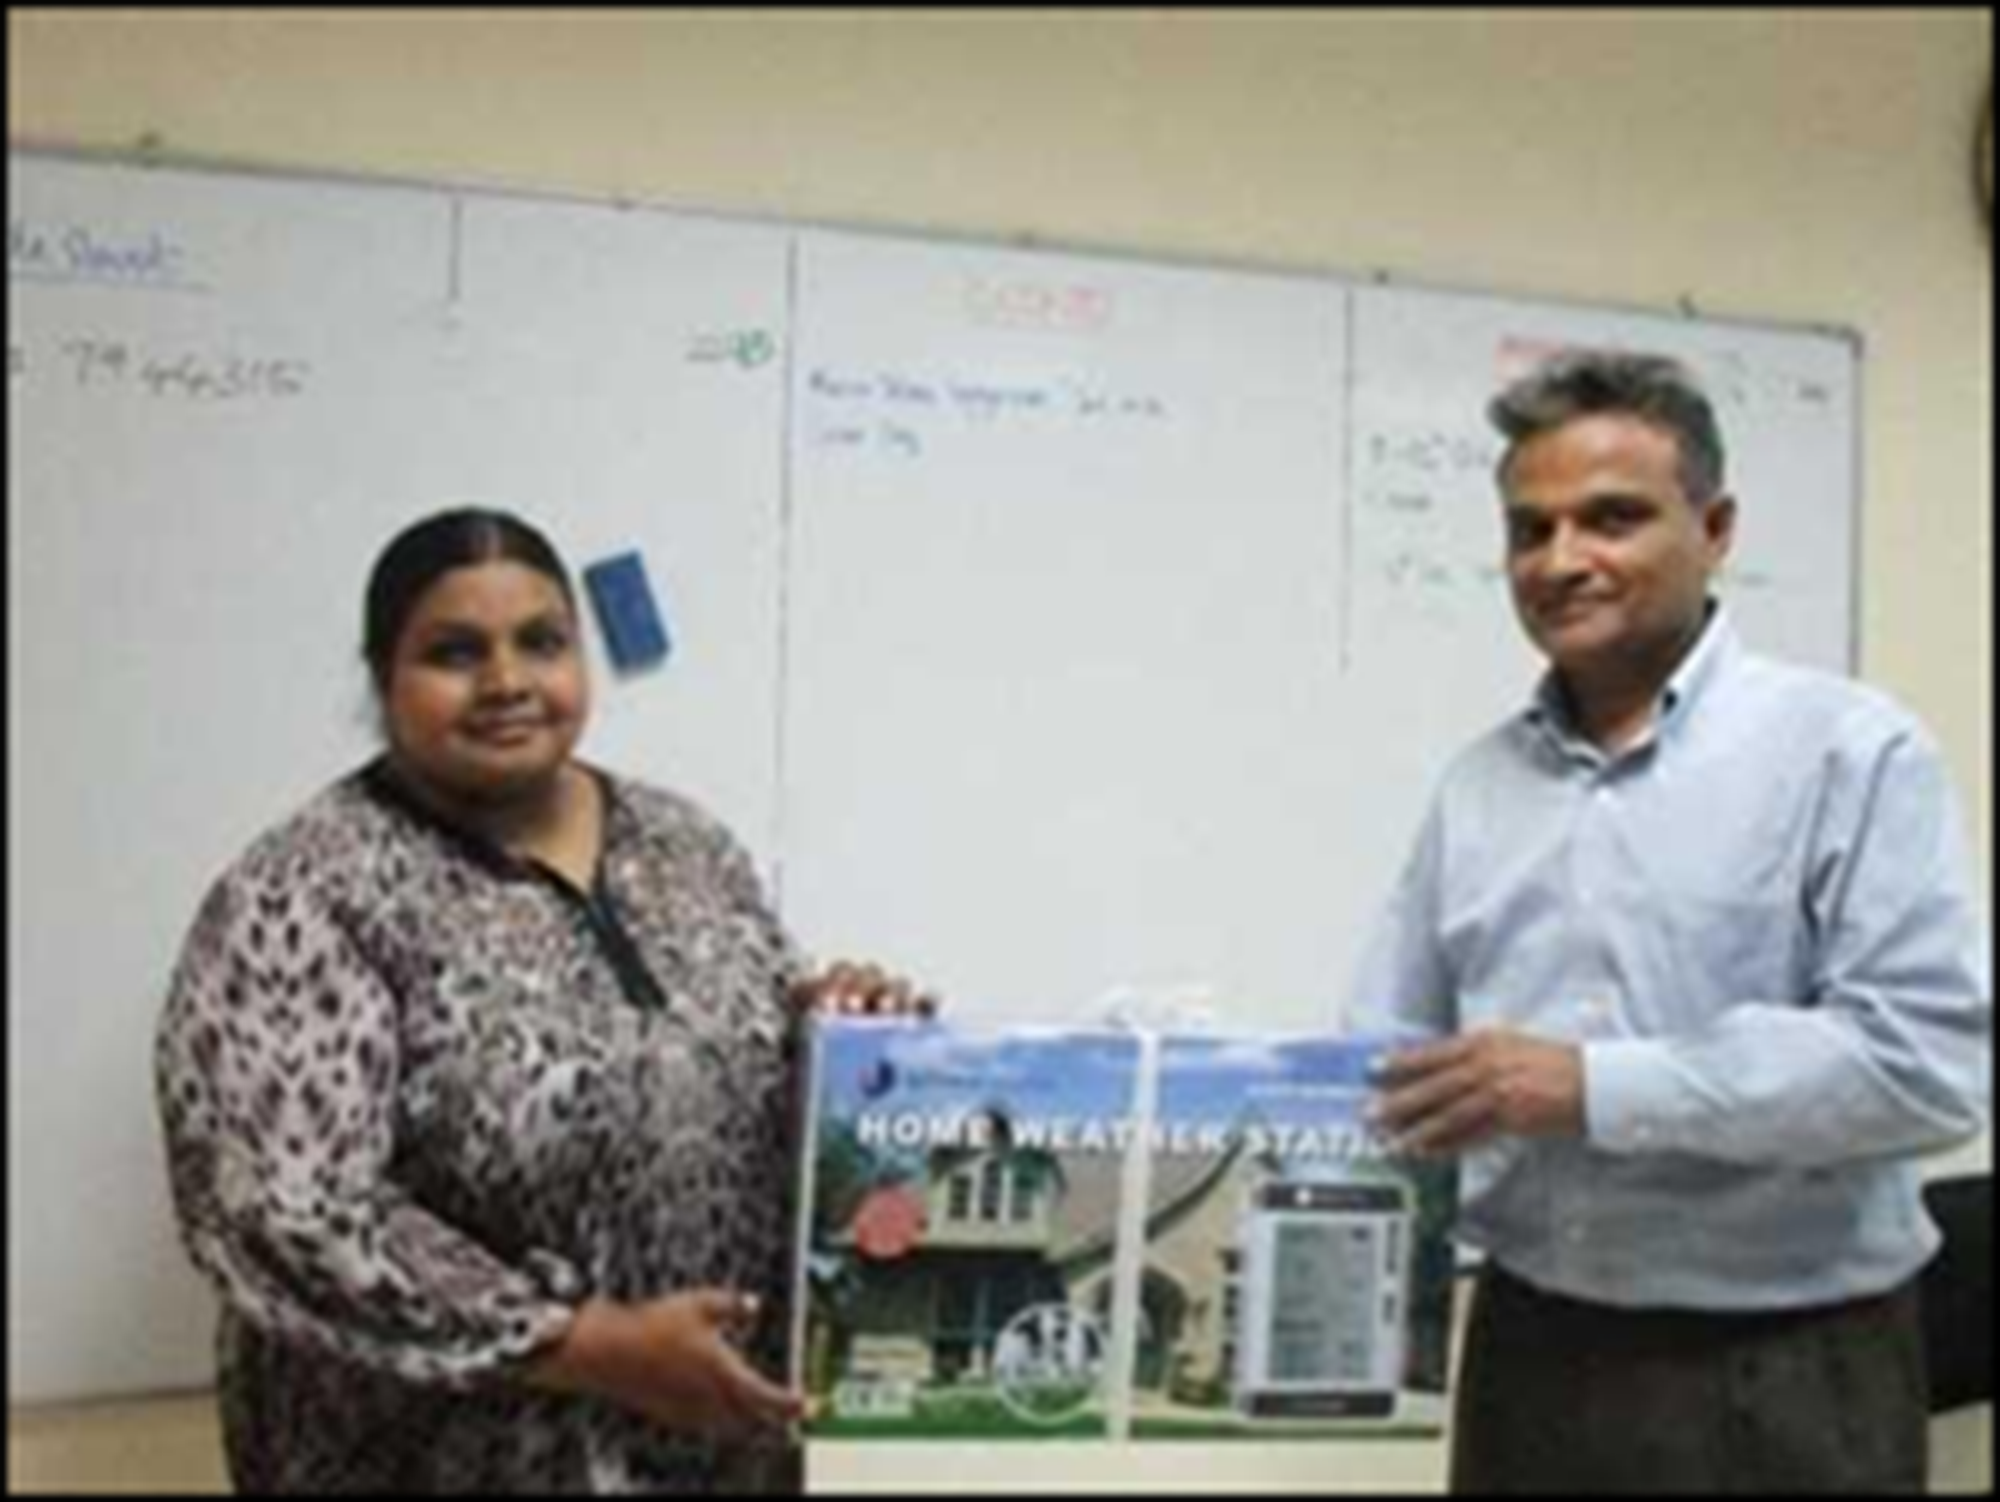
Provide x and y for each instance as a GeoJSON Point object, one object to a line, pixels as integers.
{"type": "Point", "coordinates": [1758, 924]}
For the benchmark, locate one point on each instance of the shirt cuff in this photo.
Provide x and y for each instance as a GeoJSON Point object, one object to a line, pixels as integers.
{"type": "Point", "coordinates": [1626, 1092]}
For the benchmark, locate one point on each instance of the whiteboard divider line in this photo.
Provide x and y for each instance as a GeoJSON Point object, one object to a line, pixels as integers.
{"type": "Point", "coordinates": [787, 481]}
{"type": "Point", "coordinates": [1350, 311]}
{"type": "Point", "coordinates": [454, 283]}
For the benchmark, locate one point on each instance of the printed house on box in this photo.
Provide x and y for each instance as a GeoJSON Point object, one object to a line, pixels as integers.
{"type": "Point", "coordinates": [994, 1232]}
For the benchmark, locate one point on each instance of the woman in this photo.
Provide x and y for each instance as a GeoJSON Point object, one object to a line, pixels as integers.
{"type": "Point", "coordinates": [477, 1085]}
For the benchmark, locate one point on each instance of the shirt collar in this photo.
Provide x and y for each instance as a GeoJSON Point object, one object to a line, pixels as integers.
{"type": "Point", "coordinates": [380, 781]}
{"type": "Point", "coordinates": [1690, 682]}
{"type": "Point", "coordinates": [1694, 680]}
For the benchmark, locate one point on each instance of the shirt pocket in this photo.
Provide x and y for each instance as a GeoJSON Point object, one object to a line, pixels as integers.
{"type": "Point", "coordinates": [1731, 902]}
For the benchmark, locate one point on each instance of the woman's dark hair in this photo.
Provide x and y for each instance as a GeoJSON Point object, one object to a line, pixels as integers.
{"type": "Point", "coordinates": [421, 552]}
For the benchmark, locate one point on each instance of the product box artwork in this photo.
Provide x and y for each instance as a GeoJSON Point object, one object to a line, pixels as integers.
{"type": "Point", "coordinates": [1092, 1234]}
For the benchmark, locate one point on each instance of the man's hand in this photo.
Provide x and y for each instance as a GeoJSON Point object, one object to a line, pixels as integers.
{"type": "Point", "coordinates": [847, 989]}
{"type": "Point", "coordinates": [1438, 1099]}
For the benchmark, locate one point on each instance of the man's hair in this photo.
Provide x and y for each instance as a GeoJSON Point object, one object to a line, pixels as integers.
{"type": "Point", "coordinates": [1660, 392]}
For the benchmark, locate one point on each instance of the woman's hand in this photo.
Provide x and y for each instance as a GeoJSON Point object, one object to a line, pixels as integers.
{"type": "Point", "coordinates": [844, 988]}
{"type": "Point", "coordinates": [673, 1360]}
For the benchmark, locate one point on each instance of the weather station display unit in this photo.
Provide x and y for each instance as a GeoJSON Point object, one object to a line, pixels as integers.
{"type": "Point", "coordinates": [1325, 1287]}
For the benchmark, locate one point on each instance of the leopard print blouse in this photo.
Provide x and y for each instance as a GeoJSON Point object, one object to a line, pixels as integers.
{"type": "Point", "coordinates": [421, 1098]}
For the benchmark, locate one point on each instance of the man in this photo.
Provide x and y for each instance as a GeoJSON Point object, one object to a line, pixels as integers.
{"type": "Point", "coordinates": [1695, 938]}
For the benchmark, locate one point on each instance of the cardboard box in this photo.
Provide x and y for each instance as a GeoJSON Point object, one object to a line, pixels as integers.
{"type": "Point", "coordinates": [1114, 1235]}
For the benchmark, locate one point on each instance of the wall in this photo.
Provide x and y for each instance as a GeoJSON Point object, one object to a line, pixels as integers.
{"type": "Point", "coordinates": [1774, 164]}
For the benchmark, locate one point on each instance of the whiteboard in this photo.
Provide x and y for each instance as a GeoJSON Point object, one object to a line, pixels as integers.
{"type": "Point", "coordinates": [1048, 625]}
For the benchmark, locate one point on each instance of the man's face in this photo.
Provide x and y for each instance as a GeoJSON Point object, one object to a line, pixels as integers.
{"type": "Point", "coordinates": [1608, 556]}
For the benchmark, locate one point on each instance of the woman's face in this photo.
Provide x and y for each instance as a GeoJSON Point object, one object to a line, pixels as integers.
{"type": "Point", "coordinates": [487, 693]}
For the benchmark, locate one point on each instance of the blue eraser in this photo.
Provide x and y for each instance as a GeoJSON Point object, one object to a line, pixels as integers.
{"type": "Point", "coordinates": [627, 612]}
